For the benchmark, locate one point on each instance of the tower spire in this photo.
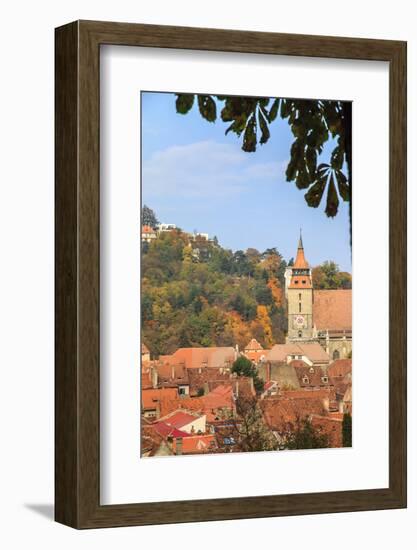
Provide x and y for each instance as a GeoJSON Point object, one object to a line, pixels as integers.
{"type": "Point", "coordinates": [300, 241]}
{"type": "Point", "coordinates": [300, 260]}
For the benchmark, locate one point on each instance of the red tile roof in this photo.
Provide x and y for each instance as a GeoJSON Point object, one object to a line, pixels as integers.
{"type": "Point", "coordinates": [147, 229]}
{"type": "Point", "coordinates": [165, 430]}
{"type": "Point", "coordinates": [340, 368]}
{"type": "Point", "coordinates": [256, 355]}
{"type": "Point", "coordinates": [310, 377]}
{"type": "Point", "coordinates": [151, 397]}
{"type": "Point", "coordinates": [282, 413]}
{"type": "Point", "coordinates": [208, 404]}
{"type": "Point", "coordinates": [253, 345]}
{"type": "Point", "coordinates": [332, 309]}
{"type": "Point", "coordinates": [300, 260]}
{"type": "Point", "coordinates": [313, 351]}
{"type": "Point", "coordinates": [324, 393]}
{"type": "Point", "coordinates": [300, 281]}
{"type": "Point", "coordinates": [196, 444]}
{"type": "Point", "coordinates": [146, 381]}
{"type": "Point", "coordinates": [331, 426]}
{"type": "Point", "coordinates": [179, 419]}
{"type": "Point", "coordinates": [208, 375]}
{"type": "Point", "coordinates": [193, 358]}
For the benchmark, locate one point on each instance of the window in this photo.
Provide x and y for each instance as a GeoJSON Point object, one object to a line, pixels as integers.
{"type": "Point", "coordinates": [305, 380]}
{"type": "Point", "coordinates": [336, 355]}
{"type": "Point", "coordinates": [299, 296]}
{"type": "Point", "coordinates": [300, 334]}
{"type": "Point", "coordinates": [312, 370]}
{"type": "Point", "coordinates": [304, 281]}
{"type": "Point", "coordinates": [324, 379]}
{"type": "Point", "coordinates": [299, 307]}
{"type": "Point", "coordinates": [296, 282]}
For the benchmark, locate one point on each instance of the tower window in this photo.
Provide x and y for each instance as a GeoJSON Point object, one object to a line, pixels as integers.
{"type": "Point", "coordinates": [296, 282]}
{"type": "Point", "coordinates": [299, 296]}
{"type": "Point", "coordinates": [304, 281]}
{"type": "Point", "coordinates": [300, 334]}
{"type": "Point", "coordinates": [299, 307]}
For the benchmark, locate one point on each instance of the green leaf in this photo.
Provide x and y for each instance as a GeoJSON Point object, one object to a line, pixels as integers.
{"type": "Point", "coordinates": [207, 107]}
{"type": "Point", "coordinates": [311, 161]}
{"type": "Point", "coordinates": [274, 110]}
{"type": "Point", "coordinates": [227, 113]}
{"type": "Point", "coordinates": [291, 171]}
{"type": "Point", "coordinates": [336, 159]}
{"type": "Point", "coordinates": [285, 108]}
{"type": "Point", "coordinates": [265, 134]}
{"type": "Point", "coordinates": [184, 103]}
{"type": "Point", "coordinates": [315, 193]}
{"type": "Point", "coordinates": [237, 125]}
{"type": "Point", "coordinates": [303, 179]}
{"type": "Point", "coordinates": [323, 167]}
{"type": "Point", "coordinates": [299, 129]}
{"type": "Point", "coordinates": [332, 202]}
{"type": "Point", "coordinates": [249, 137]}
{"type": "Point", "coordinates": [343, 185]}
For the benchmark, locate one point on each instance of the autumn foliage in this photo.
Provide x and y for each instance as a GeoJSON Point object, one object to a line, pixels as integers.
{"type": "Point", "coordinates": [196, 293]}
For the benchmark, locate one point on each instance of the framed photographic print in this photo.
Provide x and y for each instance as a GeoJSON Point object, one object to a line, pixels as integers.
{"type": "Point", "coordinates": [230, 274]}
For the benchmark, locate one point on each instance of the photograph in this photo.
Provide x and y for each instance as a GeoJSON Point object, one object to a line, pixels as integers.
{"type": "Point", "coordinates": [246, 274]}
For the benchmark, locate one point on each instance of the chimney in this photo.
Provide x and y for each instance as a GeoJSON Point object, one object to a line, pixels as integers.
{"type": "Point", "coordinates": [154, 377]}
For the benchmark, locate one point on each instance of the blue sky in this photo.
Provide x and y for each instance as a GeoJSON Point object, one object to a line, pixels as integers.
{"type": "Point", "coordinates": [196, 177]}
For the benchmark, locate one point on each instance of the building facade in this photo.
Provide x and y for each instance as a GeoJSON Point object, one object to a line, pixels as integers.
{"type": "Point", "coordinates": [323, 316]}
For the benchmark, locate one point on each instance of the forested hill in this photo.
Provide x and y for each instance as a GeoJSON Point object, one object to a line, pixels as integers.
{"type": "Point", "coordinates": [196, 293]}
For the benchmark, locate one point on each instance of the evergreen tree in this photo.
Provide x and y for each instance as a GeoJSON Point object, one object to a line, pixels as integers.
{"type": "Point", "coordinates": [149, 217]}
{"type": "Point", "coordinates": [347, 430]}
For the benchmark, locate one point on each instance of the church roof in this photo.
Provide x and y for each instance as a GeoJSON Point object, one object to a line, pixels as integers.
{"type": "Point", "coordinates": [312, 350]}
{"type": "Point", "coordinates": [332, 309]}
{"type": "Point", "coordinates": [253, 345]}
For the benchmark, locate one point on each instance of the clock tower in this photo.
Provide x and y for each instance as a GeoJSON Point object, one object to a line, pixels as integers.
{"type": "Point", "coordinates": [300, 298]}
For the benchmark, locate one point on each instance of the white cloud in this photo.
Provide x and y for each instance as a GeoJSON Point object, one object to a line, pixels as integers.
{"type": "Point", "coordinates": [204, 169]}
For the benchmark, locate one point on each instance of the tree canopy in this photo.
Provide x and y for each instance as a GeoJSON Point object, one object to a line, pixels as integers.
{"type": "Point", "coordinates": [196, 293]}
{"type": "Point", "coordinates": [328, 276]}
{"type": "Point", "coordinates": [149, 217]}
{"type": "Point", "coordinates": [243, 367]}
{"type": "Point", "coordinates": [305, 436]}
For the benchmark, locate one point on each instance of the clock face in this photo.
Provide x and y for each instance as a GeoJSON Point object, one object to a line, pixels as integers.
{"type": "Point", "coordinates": [299, 321]}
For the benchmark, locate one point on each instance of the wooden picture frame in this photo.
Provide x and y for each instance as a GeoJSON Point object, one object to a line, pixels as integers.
{"type": "Point", "coordinates": [77, 404]}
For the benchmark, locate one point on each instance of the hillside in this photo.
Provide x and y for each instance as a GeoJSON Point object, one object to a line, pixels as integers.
{"type": "Point", "coordinates": [196, 293]}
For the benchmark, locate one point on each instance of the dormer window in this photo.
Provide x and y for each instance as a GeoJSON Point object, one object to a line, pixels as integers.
{"type": "Point", "coordinates": [305, 380]}
{"type": "Point", "coordinates": [324, 379]}
{"type": "Point", "coordinates": [311, 370]}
